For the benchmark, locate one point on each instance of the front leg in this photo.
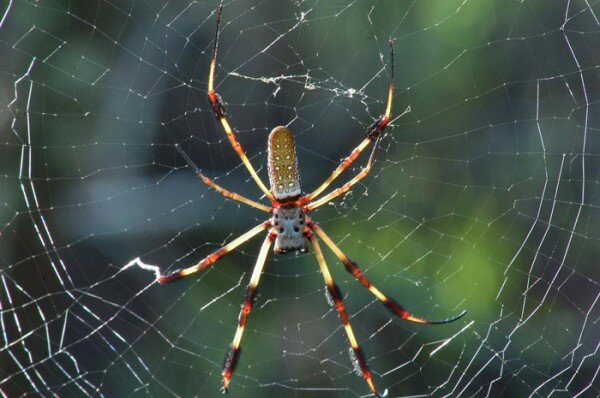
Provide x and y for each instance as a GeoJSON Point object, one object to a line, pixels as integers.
{"type": "Point", "coordinates": [372, 134]}
{"type": "Point", "coordinates": [220, 113]}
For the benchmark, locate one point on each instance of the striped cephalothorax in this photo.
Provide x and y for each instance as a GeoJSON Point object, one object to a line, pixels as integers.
{"type": "Point", "coordinates": [289, 226]}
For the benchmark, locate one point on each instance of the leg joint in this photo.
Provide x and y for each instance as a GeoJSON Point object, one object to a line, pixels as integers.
{"type": "Point", "coordinates": [249, 299]}
{"type": "Point", "coordinates": [395, 308]}
{"type": "Point", "coordinates": [217, 105]}
{"type": "Point", "coordinates": [231, 360]}
{"type": "Point", "coordinates": [377, 127]}
{"type": "Point", "coordinates": [353, 269]}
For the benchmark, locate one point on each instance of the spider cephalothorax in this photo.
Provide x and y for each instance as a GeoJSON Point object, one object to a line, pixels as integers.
{"type": "Point", "coordinates": [289, 223]}
{"type": "Point", "coordinates": [289, 226]}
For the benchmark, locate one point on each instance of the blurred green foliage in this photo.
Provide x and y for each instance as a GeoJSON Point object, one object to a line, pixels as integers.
{"type": "Point", "coordinates": [475, 200]}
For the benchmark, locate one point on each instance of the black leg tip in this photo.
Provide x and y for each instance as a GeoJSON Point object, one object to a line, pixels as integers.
{"type": "Point", "coordinates": [449, 320]}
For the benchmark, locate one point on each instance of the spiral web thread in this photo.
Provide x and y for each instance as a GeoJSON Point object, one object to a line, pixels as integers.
{"type": "Point", "coordinates": [483, 196]}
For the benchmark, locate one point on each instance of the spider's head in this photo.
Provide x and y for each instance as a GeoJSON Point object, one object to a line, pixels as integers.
{"type": "Point", "coordinates": [288, 223]}
{"type": "Point", "coordinates": [283, 165]}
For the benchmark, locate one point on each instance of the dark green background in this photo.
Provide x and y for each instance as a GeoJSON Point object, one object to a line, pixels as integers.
{"type": "Point", "coordinates": [484, 196]}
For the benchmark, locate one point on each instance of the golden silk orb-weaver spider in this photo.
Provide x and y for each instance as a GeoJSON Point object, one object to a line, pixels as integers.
{"type": "Point", "coordinates": [290, 227]}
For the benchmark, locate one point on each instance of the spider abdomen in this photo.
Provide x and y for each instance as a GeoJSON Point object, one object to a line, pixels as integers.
{"type": "Point", "coordinates": [288, 223]}
{"type": "Point", "coordinates": [283, 166]}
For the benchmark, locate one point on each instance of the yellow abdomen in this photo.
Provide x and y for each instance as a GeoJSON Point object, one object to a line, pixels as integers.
{"type": "Point", "coordinates": [283, 166]}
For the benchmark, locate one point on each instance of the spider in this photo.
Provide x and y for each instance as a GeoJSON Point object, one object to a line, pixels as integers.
{"type": "Point", "coordinates": [289, 226]}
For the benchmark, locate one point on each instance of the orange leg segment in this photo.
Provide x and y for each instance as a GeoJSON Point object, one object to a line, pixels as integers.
{"type": "Point", "coordinates": [218, 188]}
{"type": "Point", "coordinates": [214, 256]}
{"type": "Point", "coordinates": [344, 188]}
{"type": "Point", "coordinates": [233, 195]}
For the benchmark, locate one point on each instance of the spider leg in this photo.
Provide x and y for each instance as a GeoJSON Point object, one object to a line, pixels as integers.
{"type": "Point", "coordinates": [221, 190]}
{"type": "Point", "coordinates": [333, 293]}
{"type": "Point", "coordinates": [344, 188]}
{"type": "Point", "coordinates": [389, 303]}
{"type": "Point", "coordinates": [221, 114]}
{"type": "Point", "coordinates": [234, 349]}
{"type": "Point", "coordinates": [372, 133]}
{"type": "Point", "coordinates": [234, 196]}
{"type": "Point", "coordinates": [214, 256]}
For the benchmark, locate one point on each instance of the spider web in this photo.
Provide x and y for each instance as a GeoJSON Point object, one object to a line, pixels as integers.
{"type": "Point", "coordinates": [484, 196]}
